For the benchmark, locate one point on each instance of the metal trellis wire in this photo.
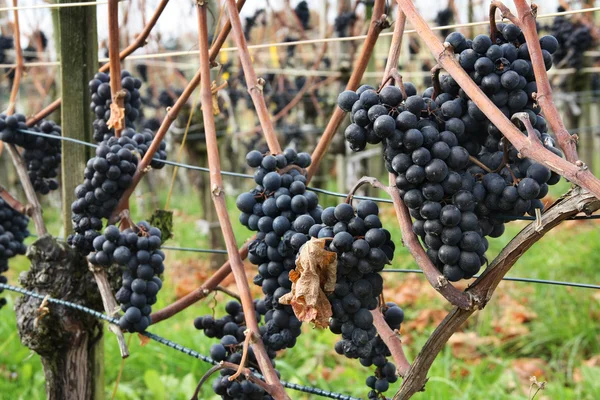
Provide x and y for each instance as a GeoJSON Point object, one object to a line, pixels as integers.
{"type": "Point", "coordinates": [316, 190]}
{"type": "Point", "coordinates": [169, 343]}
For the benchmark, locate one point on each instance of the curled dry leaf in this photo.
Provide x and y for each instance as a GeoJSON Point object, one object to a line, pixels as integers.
{"type": "Point", "coordinates": [313, 278]}
{"type": "Point", "coordinates": [117, 116]}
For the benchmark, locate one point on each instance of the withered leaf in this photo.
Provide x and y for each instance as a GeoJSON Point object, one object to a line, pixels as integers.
{"type": "Point", "coordinates": [313, 278]}
{"type": "Point", "coordinates": [117, 116]}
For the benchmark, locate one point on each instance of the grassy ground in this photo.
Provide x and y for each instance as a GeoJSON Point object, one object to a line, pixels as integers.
{"type": "Point", "coordinates": [547, 331]}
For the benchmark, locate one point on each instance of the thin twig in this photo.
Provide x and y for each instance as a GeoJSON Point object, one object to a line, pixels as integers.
{"type": "Point", "coordinates": [392, 342]}
{"type": "Point", "coordinates": [12, 101]}
{"type": "Point", "coordinates": [216, 183]}
{"type": "Point", "coordinates": [117, 110]}
{"type": "Point", "coordinates": [480, 164]}
{"type": "Point", "coordinates": [13, 202]}
{"type": "Point", "coordinates": [255, 86]}
{"type": "Point", "coordinates": [204, 378]}
{"type": "Point", "coordinates": [249, 339]}
{"type": "Point", "coordinates": [228, 292]}
{"type": "Point", "coordinates": [396, 45]}
{"type": "Point", "coordinates": [34, 203]}
{"type": "Point", "coordinates": [110, 305]}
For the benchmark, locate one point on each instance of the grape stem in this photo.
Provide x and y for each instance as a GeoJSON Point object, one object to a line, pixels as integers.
{"type": "Point", "coordinates": [392, 341]}
{"type": "Point", "coordinates": [204, 378]}
{"type": "Point", "coordinates": [480, 164]}
{"type": "Point", "coordinates": [110, 305]}
{"type": "Point", "coordinates": [228, 292]}
{"type": "Point", "coordinates": [139, 41]}
{"type": "Point", "coordinates": [572, 203]}
{"type": "Point", "coordinates": [13, 202]}
{"type": "Point", "coordinates": [378, 23]}
{"type": "Point", "coordinates": [249, 339]}
{"type": "Point", "coordinates": [528, 146]}
{"type": "Point", "coordinates": [218, 195]}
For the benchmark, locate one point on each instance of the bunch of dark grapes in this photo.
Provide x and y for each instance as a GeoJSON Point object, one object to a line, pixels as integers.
{"type": "Point", "coordinates": [137, 250]}
{"type": "Point", "coordinates": [6, 43]}
{"type": "Point", "coordinates": [101, 101]}
{"type": "Point", "coordinates": [107, 176]}
{"type": "Point", "coordinates": [385, 372]}
{"type": "Point", "coordinates": [444, 17]}
{"type": "Point", "coordinates": [437, 147]}
{"type": "Point", "coordinates": [230, 330]}
{"type": "Point", "coordinates": [277, 208]}
{"type": "Point", "coordinates": [363, 248]}
{"type": "Point", "coordinates": [303, 13]}
{"type": "Point", "coordinates": [342, 23]}
{"type": "Point", "coordinates": [574, 38]}
{"type": "Point", "coordinates": [42, 155]}
{"type": "Point", "coordinates": [13, 231]}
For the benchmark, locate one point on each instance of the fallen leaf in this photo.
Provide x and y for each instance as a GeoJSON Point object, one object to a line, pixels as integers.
{"type": "Point", "coordinates": [425, 318]}
{"type": "Point", "coordinates": [465, 345]}
{"type": "Point", "coordinates": [525, 368]}
{"type": "Point", "coordinates": [313, 278]}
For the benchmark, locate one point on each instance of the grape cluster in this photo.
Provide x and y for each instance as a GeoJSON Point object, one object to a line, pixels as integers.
{"type": "Point", "coordinates": [13, 231]}
{"type": "Point", "coordinates": [277, 208]}
{"type": "Point", "coordinates": [385, 372]}
{"type": "Point", "coordinates": [138, 251]}
{"type": "Point", "coordinates": [107, 176]}
{"type": "Point", "coordinates": [6, 43]}
{"type": "Point", "coordinates": [230, 330]}
{"type": "Point", "coordinates": [458, 175]}
{"type": "Point", "coordinates": [444, 17]}
{"type": "Point", "coordinates": [42, 155]}
{"type": "Point", "coordinates": [363, 248]}
{"type": "Point", "coordinates": [574, 38]}
{"type": "Point", "coordinates": [101, 101]}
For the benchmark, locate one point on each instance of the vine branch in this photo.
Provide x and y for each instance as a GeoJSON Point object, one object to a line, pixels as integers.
{"type": "Point", "coordinates": [255, 86]}
{"type": "Point", "coordinates": [217, 192]}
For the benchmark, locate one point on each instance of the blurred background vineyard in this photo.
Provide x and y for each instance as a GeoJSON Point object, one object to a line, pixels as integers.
{"type": "Point", "coordinates": [549, 332]}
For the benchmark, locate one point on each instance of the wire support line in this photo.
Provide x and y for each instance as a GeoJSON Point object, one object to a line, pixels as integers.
{"type": "Point", "coordinates": [511, 278]}
{"type": "Point", "coordinates": [193, 250]}
{"type": "Point", "coordinates": [316, 190]}
{"type": "Point", "coordinates": [169, 343]}
{"type": "Point", "coordinates": [59, 5]}
{"type": "Point", "coordinates": [334, 39]}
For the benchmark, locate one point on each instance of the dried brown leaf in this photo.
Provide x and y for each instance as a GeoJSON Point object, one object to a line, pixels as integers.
{"type": "Point", "coordinates": [313, 278]}
{"type": "Point", "coordinates": [117, 116]}
{"type": "Point", "coordinates": [144, 340]}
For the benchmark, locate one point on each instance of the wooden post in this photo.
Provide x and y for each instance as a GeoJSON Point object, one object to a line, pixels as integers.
{"type": "Point", "coordinates": [77, 46]}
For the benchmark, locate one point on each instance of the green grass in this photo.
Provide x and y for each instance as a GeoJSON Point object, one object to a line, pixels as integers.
{"type": "Point", "coordinates": [564, 334]}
